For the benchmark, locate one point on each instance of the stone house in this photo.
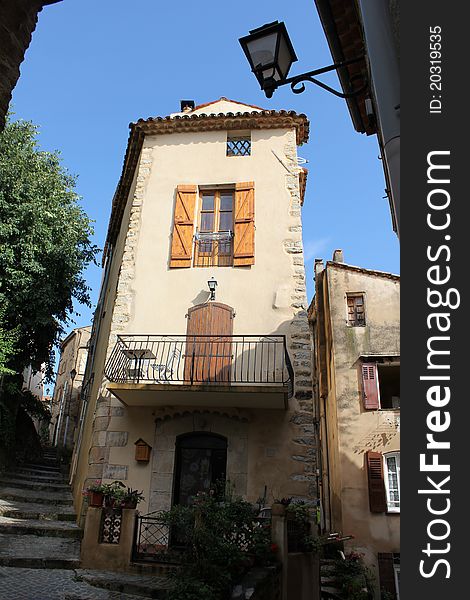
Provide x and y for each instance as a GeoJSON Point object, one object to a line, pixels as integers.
{"type": "Point", "coordinates": [65, 404]}
{"type": "Point", "coordinates": [200, 356]}
{"type": "Point", "coordinates": [355, 322]}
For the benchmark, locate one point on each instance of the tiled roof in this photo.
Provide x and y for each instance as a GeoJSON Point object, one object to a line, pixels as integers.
{"type": "Point", "coordinates": [259, 119]}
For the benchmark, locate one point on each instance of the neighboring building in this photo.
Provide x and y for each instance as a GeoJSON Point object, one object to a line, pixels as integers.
{"type": "Point", "coordinates": [68, 386]}
{"type": "Point", "coordinates": [355, 320]}
{"type": "Point", "coordinates": [18, 20]}
{"type": "Point", "coordinates": [217, 389]}
{"type": "Point", "coordinates": [354, 28]}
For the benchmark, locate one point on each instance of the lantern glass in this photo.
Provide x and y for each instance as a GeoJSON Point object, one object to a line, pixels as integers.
{"type": "Point", "coordinates": [269, 52]}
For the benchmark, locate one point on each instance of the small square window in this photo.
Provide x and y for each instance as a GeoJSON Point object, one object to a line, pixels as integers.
{"type": "Point", "coordinates": [238, 145]}
{"type": "Point", "coordinates": [356, 314]}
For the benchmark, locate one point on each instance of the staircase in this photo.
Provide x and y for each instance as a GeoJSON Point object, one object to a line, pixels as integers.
{"type": "Point", "coordinates": [37, 521]}
{"type": "Point", "coordinates": [329, 591]}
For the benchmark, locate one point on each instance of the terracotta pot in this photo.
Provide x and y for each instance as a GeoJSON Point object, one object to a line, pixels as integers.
{"type": "Point", "coordinates": [129, 504]}
{"type": "Point", "coordinates": [278, 509]}
{"type": "Point", "coordinates": [95, 498]}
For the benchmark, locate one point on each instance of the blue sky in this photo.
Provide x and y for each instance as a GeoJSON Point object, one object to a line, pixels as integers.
{"type": "Point", "coordinates": [93, 67]}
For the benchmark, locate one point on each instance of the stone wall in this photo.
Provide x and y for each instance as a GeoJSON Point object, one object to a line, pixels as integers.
{"type": "Point", "coordinates": [18, 20]}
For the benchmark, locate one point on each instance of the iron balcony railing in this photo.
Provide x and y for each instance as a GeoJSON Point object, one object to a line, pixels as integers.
{"type": "Point", "coordinates": [201, 359]}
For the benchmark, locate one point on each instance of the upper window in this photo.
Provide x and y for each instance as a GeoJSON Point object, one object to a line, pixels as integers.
{"type": "Point", "coordinates": [392, 480]}
{"type": "Point", "coordinates": [356, 314]}
{"type": "Point", "coordinates": [214, 236]}
{"type": "Point", "coordinates": [239, 144]}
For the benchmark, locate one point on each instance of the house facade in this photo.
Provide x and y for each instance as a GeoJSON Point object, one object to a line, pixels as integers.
{"type": "Point", "coordinates": [65, 404]}
{"type": "Point", "coordinates": [355, 324]}
{"type": "Point", "coordinates": [200, 356]}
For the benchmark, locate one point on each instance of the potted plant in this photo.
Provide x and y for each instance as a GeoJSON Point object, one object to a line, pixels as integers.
{"type": "Point", "coordinates": [113, 494]}
{"type": "Point", "coordinates": [131, 498]}
{"type": "Point", "coordinates": [95, 494]}
{"type": "Point", "coordinates": [278, 507]}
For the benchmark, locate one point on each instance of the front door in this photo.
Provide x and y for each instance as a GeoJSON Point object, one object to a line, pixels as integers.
{"type": "Point", "coordinates": [201, 465]}
{"type": "Point", "coordinates": [209, 343]}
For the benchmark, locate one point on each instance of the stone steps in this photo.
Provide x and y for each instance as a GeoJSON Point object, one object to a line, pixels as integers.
{"type": "Point", "coordinates": [36, 552]}
{"type": "Point", "coordinates": [33, 485]}
{"type": "Point", "coordinates": [43, 477]}
{"type": "Point", "coordinates": [36, 511]}
{"type": "Point", "coordinates": [126, 583]}
{"type": "Point", "coordinates": [39, 527]}
{"type": "Point", "coordinates": [37, 497]}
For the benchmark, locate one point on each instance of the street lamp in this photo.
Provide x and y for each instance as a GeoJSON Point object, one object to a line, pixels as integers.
{"type": "Point", "coordinates": [271, 54]}
{"type": "Point", "coordinates": [212, 283]}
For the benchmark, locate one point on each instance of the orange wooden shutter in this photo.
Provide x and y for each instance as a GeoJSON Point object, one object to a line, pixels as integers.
{"type": "Point", "coordinates": [244, 234]}
{"type": "Point", "coordinates": [370, 387]}
{"type": "Point", "coordinates": [183, 225]}
{"type": "Point", "coordinates": [375, 474]}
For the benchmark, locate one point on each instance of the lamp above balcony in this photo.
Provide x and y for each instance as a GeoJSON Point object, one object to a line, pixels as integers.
{"type": "Point", "coordinates": [212, 283]}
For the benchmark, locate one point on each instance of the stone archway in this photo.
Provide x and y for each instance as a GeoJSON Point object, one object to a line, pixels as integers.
{"type": "Point", "coordinates": [164, 455]}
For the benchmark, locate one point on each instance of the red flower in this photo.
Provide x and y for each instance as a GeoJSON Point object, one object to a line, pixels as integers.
{"type": "Point", "coordinates": [274, 548]}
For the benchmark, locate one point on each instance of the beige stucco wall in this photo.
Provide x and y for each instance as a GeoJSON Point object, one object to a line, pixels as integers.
{"type": "Point", "coordinates": [272, 447]}
{"type": "Point", "coordinates": [352, 430]}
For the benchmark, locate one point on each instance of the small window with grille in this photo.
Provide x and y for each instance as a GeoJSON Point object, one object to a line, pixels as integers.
{"type": "Point", "coordinates": [356, 313]}
{"type": "Point", "coordinates": [239, 143]}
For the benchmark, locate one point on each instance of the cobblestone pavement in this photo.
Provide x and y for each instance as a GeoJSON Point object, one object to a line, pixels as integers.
{"type": "Point", "coordinates": [51, 584]}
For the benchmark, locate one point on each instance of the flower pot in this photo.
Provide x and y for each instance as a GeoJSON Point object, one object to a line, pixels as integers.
{"type": "Point", "coordinates": [278, 510]}
{"type": "Point", "coordinates": [95, 499]}
{"type": "Point", "coordinates": [130, 504]}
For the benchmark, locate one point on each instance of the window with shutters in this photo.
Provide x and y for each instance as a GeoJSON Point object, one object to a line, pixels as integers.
{"type": "Point", "coordinates": [392, 480]}
{"type": "Point", "coordinates": [381, 385]}
{"type": "Point", "coordinates": [356, 313]}
{"type": "Point", "coordinates": [215, 227]}
{"type": "Point", "coordinates": [214, 234]}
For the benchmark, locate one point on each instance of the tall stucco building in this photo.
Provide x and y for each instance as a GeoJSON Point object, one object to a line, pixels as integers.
{"type": "Point", "coordinates": [355, 322]}
{"type": "Point", "coordinates": [200, 356]}
{"type": "Point", "coordinates": [65, 404]}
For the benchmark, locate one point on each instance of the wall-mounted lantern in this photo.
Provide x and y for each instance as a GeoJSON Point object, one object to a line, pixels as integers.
{"type": "Point", "coordinates": [142, 451]}
{"type": "Point", "coordinates": [212, 283]}
{"type": "Point", "coordinates": [271, 54]}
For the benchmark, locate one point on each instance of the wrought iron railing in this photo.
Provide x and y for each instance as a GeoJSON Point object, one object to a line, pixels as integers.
{"type": "Point", "coordinates": [201, 359]}
{"type": "Point", "coordinates": [152, 540]}
{"type": "Point", "coordinates": [155, 542]}
{"type": "Point", "coordinates": [213, 249]}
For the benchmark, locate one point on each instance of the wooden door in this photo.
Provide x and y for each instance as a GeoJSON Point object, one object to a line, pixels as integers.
{"type": "Point", "coordinates": [209, 343]}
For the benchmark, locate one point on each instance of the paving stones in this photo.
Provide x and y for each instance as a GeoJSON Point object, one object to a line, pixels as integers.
{"type": "Point", "coordinates": [42, 584]}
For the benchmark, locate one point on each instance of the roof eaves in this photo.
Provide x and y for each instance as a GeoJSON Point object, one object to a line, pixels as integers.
{"type": "Point", "coordinates": [373, 272]}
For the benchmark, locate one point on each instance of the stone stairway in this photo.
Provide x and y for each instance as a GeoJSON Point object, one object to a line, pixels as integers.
{"type": "Point", "coordinates": [329, 591]}
{"type": "Point", "coordinates": [37, 521]}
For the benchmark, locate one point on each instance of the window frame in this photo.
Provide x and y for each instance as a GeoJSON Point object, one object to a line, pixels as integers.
{"type": "Point", "coordinates": [396, 455]}
{"type": "Point", "coordinates": [351, 295]}
{"type": "Point", "coordinates": [214, 254]}
{"type": "Point", "coordinates": [235, 136]}
{"type": "Point", "coordinates": [378, 366]}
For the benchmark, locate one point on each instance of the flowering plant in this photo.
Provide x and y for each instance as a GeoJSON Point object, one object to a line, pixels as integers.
{"type": "Point", "coordinates": [96, 487]}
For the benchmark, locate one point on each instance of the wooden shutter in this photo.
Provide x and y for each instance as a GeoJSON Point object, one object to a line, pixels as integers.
{"type": "Point", "coordinates": [375, 475]}
{"type": "Point", "coordinates": [183, 225]}
{"type": "Point", "coordinates": [370, 386]}
{"type": "Point", "coordinates": [387, 573]}
{"type": "Point", "coordinates": [244, 234]}
{"type": "Point", "coordinates": [209, 359]}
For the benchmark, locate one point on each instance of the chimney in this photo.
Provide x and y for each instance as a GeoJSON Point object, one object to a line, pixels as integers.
{"type": "Point", "coordinates": [338, 256]}
{"type": "Point", "coordinates": [187, 105]}
{"type": "Point", "coordinates": [319, 267]}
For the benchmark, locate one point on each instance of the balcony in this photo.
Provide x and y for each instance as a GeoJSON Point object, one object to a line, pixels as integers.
{"type": "Point", "coordinates": [245, 371]}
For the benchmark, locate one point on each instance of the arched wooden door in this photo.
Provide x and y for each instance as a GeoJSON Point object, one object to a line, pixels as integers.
{"type": "Point", "coordinates": [209, 343]}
